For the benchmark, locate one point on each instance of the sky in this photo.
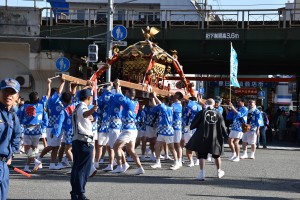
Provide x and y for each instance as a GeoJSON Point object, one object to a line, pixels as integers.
{"type": "Point", "coordinates": [217, 4]}
{"type": "Point", "coordinates": [247, 4]}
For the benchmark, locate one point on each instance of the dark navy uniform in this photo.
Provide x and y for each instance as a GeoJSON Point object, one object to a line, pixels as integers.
{"type": "Point", "coordinates": [9, 137]}
{"type": "Point", "coordinates": [9, 144]}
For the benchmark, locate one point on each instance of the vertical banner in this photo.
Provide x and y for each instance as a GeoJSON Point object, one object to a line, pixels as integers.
{"type": "Point", "coordinates": [233, 68]}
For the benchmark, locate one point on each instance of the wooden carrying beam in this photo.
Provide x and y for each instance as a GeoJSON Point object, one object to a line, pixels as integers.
{"type": "Point", "coordinates": [144, 88]}
{"type": "Point", "coordinates": [73, 79]}
{"type": "Point", "coordinates": [126, 84]}
{"type": "Point", "coordinates": [122, 83]}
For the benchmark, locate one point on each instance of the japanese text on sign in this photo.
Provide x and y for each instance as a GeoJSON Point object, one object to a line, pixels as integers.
{"type": "Point", "coordinates": [243, 84]}
{"type": "Point", "coordinates": [246, 91]}
{"type": "Point", "coordinates": [222, 36]}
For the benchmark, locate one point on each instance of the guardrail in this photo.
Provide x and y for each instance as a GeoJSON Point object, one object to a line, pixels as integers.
{"type": "Point", "coordinates": [201, 19]}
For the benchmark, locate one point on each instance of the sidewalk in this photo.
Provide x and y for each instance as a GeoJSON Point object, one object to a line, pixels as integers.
{"type": "Point", "coordinates": [283, 145]}
{"type": "Point", "coordinates": [279, 145]}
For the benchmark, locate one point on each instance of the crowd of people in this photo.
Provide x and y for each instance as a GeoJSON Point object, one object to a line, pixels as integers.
{"type": "Point", "coordinates": [77, 126]}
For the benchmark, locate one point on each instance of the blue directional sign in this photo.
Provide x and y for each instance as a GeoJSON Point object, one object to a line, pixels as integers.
{"type": "Point", "coordinates": [119, 32]}
{"type": "Point", "coordinates": [62, 64]}
{"type": "Point", "coordinates": [261, 94]}
{"type": "Point", "coordinates": [201, 90]}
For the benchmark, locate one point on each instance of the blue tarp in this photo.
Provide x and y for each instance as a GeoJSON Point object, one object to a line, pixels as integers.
{"type": "Point", "coordinates": [58, 6]}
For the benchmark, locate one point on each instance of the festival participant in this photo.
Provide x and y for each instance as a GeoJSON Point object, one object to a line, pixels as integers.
{"type": "Point", "coordinates": [208, 138]}
{"type": "Point", "coordinates": [103, 124]}
{"type": "Point", "coordinates": [239, 116]}
{"type": "Point", "coordinates": [262, 130]}
{"type": "Point", "coordinates": [21, 102]}
{"type": "Point", "coordinates": [220, 109]}
{"type": "Point", "coordinates": [66, 143]}
{"type": "Point", "coordinates": [9, 130]}
{"type": "Point", "coordinates": [255, 120]}
{"type": "Point", "coordinates": [55, 106]}
{"type": "Point", "coordinates": [141, 126]}
{"type": "Point", "coordinates": [34, 119]}
{"type": "Point", "coordinates": [129, 131]}
{"type": "Point", "coordinates": [165, 131]}
{"type": "Point", "coordinates": [218, 106]}
{"type": "Point", "coordinates": [45, 100]}
{"type": "Point", "coordinates": [43, 135]}
{"type": "Point", "coordinates": [64, 122]}
{"type": "Point", "coordinates": [192, 108]}
{"type": "Point", "coordinates": [177, 124]}
{"type": "Point", "coordinates": [151, 126]}
{"type": "Point", "coordinates": [82, 144]}
{"type": "Point", "coordinates": [115, 125]}
{"type": "Point", "coordinates": [95, 116]}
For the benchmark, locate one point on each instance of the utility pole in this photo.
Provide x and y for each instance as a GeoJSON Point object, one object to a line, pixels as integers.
{"type": "Point", "coordinates": [298, 93]}
{"type": "Point", "coordinates": [110, 21]}
{"type": "Point", "coordinates": [206, 8]}
{"type": "Point", "coordinates": [206, 2]}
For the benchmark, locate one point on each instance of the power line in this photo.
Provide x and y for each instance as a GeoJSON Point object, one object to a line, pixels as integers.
{"type": "Point", "coordinates": [218, 4]}
{"type": "Point", "coordinates": [60, 29]}
{"type": "Point", "coordinates": [83, 29]}
{"type": "Point", "coordinates": [50, 38]}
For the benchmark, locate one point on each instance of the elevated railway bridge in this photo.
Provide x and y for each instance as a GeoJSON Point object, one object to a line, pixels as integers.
{"type": "Point", "coordinates": [267, 41]}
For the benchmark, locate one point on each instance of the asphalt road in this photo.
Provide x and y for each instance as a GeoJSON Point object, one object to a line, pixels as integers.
{"type": "Point", "coordinates": [274, 174]}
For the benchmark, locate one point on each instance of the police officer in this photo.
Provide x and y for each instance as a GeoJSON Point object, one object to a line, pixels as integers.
{"type": "Point", "coordinates": [82, 144]}
{"type": "Point", "coordinates": [9, 130]}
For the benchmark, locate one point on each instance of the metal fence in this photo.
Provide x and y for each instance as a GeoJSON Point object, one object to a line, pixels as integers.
{"type": "Point", "coordinates": [238, 19]}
